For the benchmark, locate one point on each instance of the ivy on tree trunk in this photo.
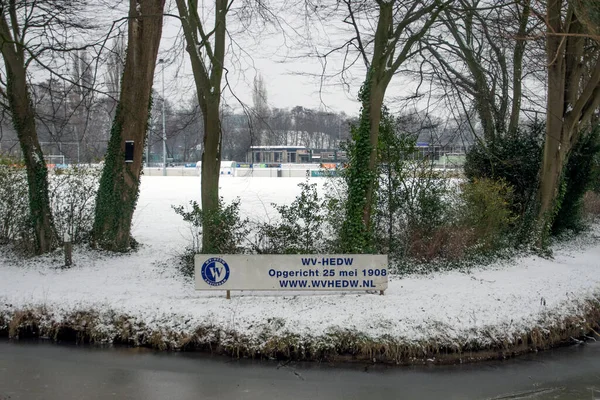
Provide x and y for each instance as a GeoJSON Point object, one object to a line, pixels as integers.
{"type": "Point", "coordinates": [23, 118]}
{"type": "Point", "coordinates": [119, 184]}
{"type": "Point", "coordinates": [573, 98]}
{"type": "Point", "coordinates": [355, 234]}
{"type": "Point", "coordinates": [392, 46]}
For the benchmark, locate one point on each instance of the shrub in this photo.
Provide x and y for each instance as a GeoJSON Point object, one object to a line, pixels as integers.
{"type": "Point", "coordinates": [428, 200]}
{"type": "Point", "coordinates": [516, 159]}
{"type": "Point", "coordinates": [419, 205]}
{"type": "Point", "coordinates": [300, 226]}
{"type": "Point", "coordinates": [14, 207]}
{"type": "Point", "coordinates": [446, 243]}
{"type": "Point", "coordinates": [232, 230]}
{"type": "Point", "coordinates": [578, 177]}
{"type": "Point", "coordinates": [411, 197]}
{"type": "Point", "coordinates": [486, 211]}
{"type": "Point", "coordinates": [477, 221]}
{"type": "Point", "coordinates": [72, 198]}
{"type": "Point", "coordinates": [334, 208]}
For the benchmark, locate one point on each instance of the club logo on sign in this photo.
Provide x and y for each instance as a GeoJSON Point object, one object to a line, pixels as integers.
{"type": "Point", "coordinates": [215, 271]}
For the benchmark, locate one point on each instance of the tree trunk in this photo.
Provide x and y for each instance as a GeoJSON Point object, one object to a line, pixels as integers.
{"type": "Point", "coordinates": [518, 67]}
{"type": "Point", "coordinates": [211, 166]}
{"type": "Point", "coordinates": [571, 101]}
{"type": "Point", "coordinates": [553, 163]}
{"type": "Point", "coordinates": [119, 184]}
{"type": "Point", "coordinates": [377, 81]}
{"type": "Point", "coordinates": [207, 77]}
{"type": "Point", "coordinates": [555, 148]}
{"type": "Point", "coordinates": [375, 104]}
{"type": "Point", "coordinates": [23, 118]}
{"type": "Point", "coordinates": [362, 172]}
{"type": "Point", "coordinates": [483, 98]}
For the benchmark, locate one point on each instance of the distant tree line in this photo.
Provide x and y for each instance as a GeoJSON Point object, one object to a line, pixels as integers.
{"type": "Point", "coordinates": [75, 122]}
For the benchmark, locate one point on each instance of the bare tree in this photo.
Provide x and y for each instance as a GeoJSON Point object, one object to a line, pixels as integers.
{"type": "Point", "coordinates": [261, 111]}
{"type": "Point", "coordinates": [385, 33]}
{"type": "Point", "coordinates": [119, 184]}
{"type": "Point", "coordinates": [183, 128]}
{"type": "Point", "coordinates": [478, 56]}
{"type": "Point", "coordinates": [236, 135]}
{"type": "Point", "coordinates": [28, 31]}
{"type": "Point", "coordinates": [115, 64]}
{"type": "Point", "coordinates": [206, 46]}
{"type": "Point", "coordinates": [80, 98]}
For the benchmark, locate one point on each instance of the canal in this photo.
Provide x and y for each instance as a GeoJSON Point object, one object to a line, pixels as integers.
{"type": "Point", "coordinates": [45, 371]}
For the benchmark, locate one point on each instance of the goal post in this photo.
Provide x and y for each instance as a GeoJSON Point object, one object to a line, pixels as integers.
{"type": "Point", "coordinates": [53, 159]}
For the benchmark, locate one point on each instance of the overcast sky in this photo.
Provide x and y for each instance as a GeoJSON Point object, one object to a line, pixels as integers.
{"type": "Point", "coordinates": [292, 77]}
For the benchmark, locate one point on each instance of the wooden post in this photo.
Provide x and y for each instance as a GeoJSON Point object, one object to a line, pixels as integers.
{"type": "Point", "coordinates": [68, 248]}
{"type": "Point", "coordinates": [228, 295]}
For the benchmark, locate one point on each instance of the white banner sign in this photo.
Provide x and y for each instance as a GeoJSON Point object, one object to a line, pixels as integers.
{"type": "Point", "coordinates": [291, 272]}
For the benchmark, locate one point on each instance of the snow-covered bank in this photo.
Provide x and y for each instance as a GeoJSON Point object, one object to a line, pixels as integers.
{"type": "Point", "coordinates": [140, 298]}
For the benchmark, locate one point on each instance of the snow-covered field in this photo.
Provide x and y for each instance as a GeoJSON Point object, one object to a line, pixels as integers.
{"type": "Point", "coordinates": [485, 305]}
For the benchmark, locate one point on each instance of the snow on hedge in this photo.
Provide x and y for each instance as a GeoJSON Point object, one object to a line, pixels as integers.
{"type": "Point", "coordinates": [507, 299]}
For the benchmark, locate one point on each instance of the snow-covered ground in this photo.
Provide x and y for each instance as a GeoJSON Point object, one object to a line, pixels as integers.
{"type": "Point", "coordinates": [503, 300]}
